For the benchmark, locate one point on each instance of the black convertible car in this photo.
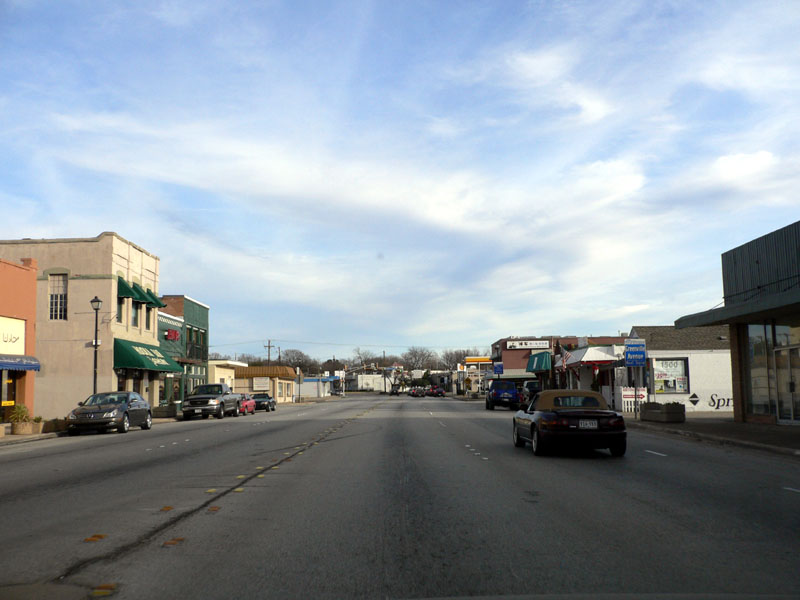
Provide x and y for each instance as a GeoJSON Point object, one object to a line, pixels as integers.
{"type": "Point", "coordinates": [569, 418]}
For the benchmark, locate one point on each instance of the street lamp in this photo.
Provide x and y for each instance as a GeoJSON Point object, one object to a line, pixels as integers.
{"type": "Point", "coordinates": [96, 304]}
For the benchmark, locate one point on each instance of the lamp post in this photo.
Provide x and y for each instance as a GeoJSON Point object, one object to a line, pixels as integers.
{"type": "Point", "coordinates": [96, 304]}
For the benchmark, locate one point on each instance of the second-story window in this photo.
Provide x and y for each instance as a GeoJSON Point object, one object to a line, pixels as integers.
{"type": "Point", "coordinates": [120, 309]}
{"type": "Point", "coordinates": [136, 309]}
{"type": "Point", "coordinates": [57, 285]}
{"type": "Point", "coordinates": [148, 315]}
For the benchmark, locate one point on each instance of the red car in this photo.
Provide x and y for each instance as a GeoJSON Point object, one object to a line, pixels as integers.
{"type": "Point", "coordinates": [247, 405]}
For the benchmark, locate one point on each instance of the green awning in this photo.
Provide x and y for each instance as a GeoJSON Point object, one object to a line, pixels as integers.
{"type": "Point", "coordinates": [140, 295]}
{"type": "Point", "coordinates": [539, 362]}
{"type": "Point", "coordinates": [135, 355]}
{"type": "Point", "coordinates": [156, 301]}
{"type": "Point", "coordinates": [124, 290]}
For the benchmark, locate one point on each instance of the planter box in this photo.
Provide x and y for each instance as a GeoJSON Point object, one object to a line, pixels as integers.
{"type": "Point", "coordinates": [165, 412]}
{"type": "Point", "coordinates": [54, 425]}
{"type": "Point", "coordinates": [26, 428]}
{"type": "Point", "coordinates": [663, 413]}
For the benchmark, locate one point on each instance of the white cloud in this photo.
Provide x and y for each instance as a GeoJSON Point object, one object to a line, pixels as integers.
{"type": "Point", "coordinates": [743, 169]}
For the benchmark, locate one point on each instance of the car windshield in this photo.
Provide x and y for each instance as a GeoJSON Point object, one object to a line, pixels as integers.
{"type": "Point", "coordinates": [261, 396]}
{"type": "Point", "coordinates": [108, 398]}
{"type": "Point", "coordinates": [207, 389]}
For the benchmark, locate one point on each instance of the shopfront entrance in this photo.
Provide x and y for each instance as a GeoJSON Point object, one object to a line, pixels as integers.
{"type": "Point", "coordinates": [787, 367]}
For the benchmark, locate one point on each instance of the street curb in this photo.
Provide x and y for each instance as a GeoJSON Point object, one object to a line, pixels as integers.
{"type": "Point", "coordinates": [4, 441]}
{"type": "Point", "coordinates": [716, 438]}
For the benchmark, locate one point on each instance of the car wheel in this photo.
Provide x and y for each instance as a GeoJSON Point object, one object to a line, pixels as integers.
{"type": "Point", "coordinates": [73, 432]}
{"type": "Point", "coordinates": [125, 425]}
{"type": "Point", "coordinates": [537, 444]}
{"type": "Point", "coordinates": [220, 412]}
{"type": "Point", "coordinates": [489, 405]}
{"type": "Point", "coordinates": [148, 422]}
{"type": "Point", "coordinates": [518, 442]}
{"type": "Point", "coordinates": [238, 411]}
{"type": "Point", "coordinates": [618, 449]}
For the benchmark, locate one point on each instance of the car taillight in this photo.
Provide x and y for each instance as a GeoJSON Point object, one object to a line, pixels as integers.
{"type": "Point", "coordinates": [617, 422]}
{"type": "Point", "coordinates": [553, 423]}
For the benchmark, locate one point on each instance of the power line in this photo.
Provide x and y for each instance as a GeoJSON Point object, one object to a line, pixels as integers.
{"type": "Point", "coordinates": [349, 345]}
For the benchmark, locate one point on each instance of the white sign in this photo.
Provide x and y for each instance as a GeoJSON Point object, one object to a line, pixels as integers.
{"type": "Point", "coordinates": [526, 344]}
{"type": "Point", "coordinates": [12, 336]}
{"type": "Point", "coordinates": [260, 384]}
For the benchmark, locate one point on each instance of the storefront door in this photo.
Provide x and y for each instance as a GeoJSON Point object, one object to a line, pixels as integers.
{"type": "Point", "coordinates": [787, 364]}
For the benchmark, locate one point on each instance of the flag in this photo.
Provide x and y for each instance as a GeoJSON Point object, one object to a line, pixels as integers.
{"type": "Point", "coordinates": [565, 356]}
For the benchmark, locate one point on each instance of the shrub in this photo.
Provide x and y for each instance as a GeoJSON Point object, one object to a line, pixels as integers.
{"type": "Point", "coordinates": [19, 414]}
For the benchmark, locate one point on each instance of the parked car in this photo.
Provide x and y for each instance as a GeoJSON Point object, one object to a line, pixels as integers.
{"type": "Point", "coordinates": [211, 399]}
{"type": "Point", "coordinates": [247, 405]}
{"type": "Point", "coordinates": [395, 391]}
{"type": "Point", "coordinates": [569, 418]}
{"type": "Point", "coordinates": [435, 390]}
{"type": "Point", "coordinates": [529, 389]}
{"type": "Point", "coordinates": [265, 401]}
{"type": "Point", "coordinates": [417, 392]}
{"type": "Point", "coordinates": [503, 392]}
{"type": "Point", "coordinates": [110, 410]}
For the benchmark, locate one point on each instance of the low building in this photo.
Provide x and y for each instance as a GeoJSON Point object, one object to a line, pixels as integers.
{"type": "Point", "coordinates": [223, 371]}
{"type": "Point", "coordinates": [318, 387]}
{"type": "Point", "coordinates": [72, 273]}
{"type": "Point", "coordinates": [195, 339]}
{"type": "Point", "coordinates": [18, 361]}
{"type": "Point", "coordinates": [761, 287]}
{"type": "Point", "coordinates": [279, 381]}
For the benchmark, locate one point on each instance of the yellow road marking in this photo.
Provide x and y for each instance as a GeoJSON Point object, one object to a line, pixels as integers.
{"type": "Point", "coordinates": [239, 490]}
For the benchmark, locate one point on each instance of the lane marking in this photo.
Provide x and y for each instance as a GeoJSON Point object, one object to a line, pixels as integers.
{"type": "Point", "coordinates": [788, 489]}
{"type": "Point", "coordinates": [442, 424]}
{"type": "Point", "coordinates": [656, 453]}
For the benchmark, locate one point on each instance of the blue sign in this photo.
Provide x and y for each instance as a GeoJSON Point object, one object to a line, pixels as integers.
{"type": "Point", "coordinates": [498, 368]}
{"type": "Point", "coordinates": [635, 353]}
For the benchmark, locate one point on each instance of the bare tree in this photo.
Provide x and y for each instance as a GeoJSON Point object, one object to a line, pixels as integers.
{"type": "Point", "coordinates": [299, 359]}
{"type": "Point", "coordinates": [451, 358]}
{"type": "Point", "coordinates": [364, 356]}
{"type": "Point", "coordinates": [419, 357]}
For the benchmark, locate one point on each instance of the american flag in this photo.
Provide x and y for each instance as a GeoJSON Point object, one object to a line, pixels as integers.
{"type": "Point", "coordinates": [565, 356]}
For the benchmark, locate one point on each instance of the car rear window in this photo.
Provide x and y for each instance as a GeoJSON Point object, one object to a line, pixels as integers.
{"type": "Point", "coordinates": [575, 402]}
{"type": "Point", "coordinates": [503, 385]}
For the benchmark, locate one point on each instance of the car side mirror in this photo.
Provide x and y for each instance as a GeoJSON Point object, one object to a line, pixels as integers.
{"type": "Point", "coordinates": [80, 403]}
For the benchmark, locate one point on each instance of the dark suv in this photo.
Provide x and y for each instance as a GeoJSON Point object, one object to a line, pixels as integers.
{"type": "Point", "coordinates": [502, 393]}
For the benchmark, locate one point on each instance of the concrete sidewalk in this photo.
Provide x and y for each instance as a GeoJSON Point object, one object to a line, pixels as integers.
{"type": "Point", "coordinates": [781, 439]}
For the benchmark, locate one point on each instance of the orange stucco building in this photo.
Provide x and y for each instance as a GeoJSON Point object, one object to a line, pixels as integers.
{"type": "Point", "coordinates": [17, 334]}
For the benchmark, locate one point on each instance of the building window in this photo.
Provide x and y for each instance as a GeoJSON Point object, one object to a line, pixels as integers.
{"type": "Point", "coordinates": [120, 309]}
{"type": "Point", "coordinates": [58, 297]}
{"type": "Point", "coordinates": [670, 376]}
{"type": "Point", "coordinates": [758, 372]}
{"type": "Point", "coordinates": [137, 308]}
{"type": "Point", "coordinates": [148, 316]}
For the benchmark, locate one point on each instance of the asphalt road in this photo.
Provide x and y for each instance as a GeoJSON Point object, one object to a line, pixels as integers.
{"type": "Point", "coordinates": [386, 497]}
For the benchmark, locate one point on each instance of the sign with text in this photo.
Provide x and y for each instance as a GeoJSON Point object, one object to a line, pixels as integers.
{"type": "Point", "coordinates": [260, 384]}
{"type": "Point", "coordinates": [498, 368]}
{"type": "Point", "coordinates": [12, 336]}
{"type": "Point", "coordinates": [635, 352]}
{"type": "Point", "coordinates": [527, 344]}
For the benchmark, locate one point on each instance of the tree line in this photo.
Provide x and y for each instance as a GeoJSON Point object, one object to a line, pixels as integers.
{"type": "Point", "coordinates": [415, 357]}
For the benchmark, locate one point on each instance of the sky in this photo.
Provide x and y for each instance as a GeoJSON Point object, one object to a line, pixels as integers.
{"type": "Point", "coordinates": [382, 174]}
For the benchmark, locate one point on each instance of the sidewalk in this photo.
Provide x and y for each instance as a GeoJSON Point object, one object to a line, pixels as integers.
{"type": "Point", "coordinates": [781, 439]}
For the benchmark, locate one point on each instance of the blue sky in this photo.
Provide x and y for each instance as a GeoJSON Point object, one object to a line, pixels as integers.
{"type": "Point", "coordinates": [384, 174]}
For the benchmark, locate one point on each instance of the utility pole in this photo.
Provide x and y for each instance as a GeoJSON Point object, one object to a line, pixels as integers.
{"type": "Point", "coordinates": [268, 346]}
{"type": "Point", "coordinates": [279, 354]}
{"type": "Point", "coordinates": [384, 371]}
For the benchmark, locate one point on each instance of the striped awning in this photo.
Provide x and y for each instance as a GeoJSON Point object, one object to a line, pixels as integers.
{"type": "Point", "coordinates": [19, 362]}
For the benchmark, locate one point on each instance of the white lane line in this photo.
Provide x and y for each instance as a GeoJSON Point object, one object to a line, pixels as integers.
{"type": "Point", "coordinates": [442, 424]}
{"type": "Point", "coordinates": [430, 413]}
{"type": "Point", "coordinates": [788, 489]}
{"type": "Point", "coordinates": [656, 453]}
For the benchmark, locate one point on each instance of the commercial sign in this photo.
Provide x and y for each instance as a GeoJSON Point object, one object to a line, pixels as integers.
{"type": "Point", "coordinates": [498, 368]}
{"type": "Point", "coordinates": [260, 384]}
{"type": "Point", "coordinates": [635, 352]}
{"type": "Point", "coordinates": [527, 344]}
{"type": "Point", "coordinates": [12, 336]}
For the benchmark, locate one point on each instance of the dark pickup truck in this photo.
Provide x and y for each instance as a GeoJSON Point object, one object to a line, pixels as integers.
{"type": "Point", "coordinates": [211, 399]}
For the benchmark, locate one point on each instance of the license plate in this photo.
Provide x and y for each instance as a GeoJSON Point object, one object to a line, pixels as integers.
{"type": "Point", "coordinates": [587, 424]}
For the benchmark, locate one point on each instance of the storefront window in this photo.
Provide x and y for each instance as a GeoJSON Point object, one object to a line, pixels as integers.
{"type": "Point", "coordinates": [757, 371]}
{"type": "Point", "coordinates": [788, 332]}
{"type": "Point", "coordinates": [670, 376]}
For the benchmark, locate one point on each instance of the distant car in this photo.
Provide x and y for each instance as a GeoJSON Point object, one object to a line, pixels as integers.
{"type": "Point", "coordinates": [417, 392]}
{"type": "Point", "coordinates": [110, 410]}
{"type": "Point", "coordinates": [435, 390]}
{"type": "Point", "coordinates": [503, 393]}
{"type": "Point", "coordinates": [395, 391]}
{"type": "Point", "coordinates": [569, 418]}
{"type": "Point", "coordinates": [529, 389]}
{"type": "Point", "coordinates": [264, 400]}
{"type": "Point", "coordinates": [247, 405]}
